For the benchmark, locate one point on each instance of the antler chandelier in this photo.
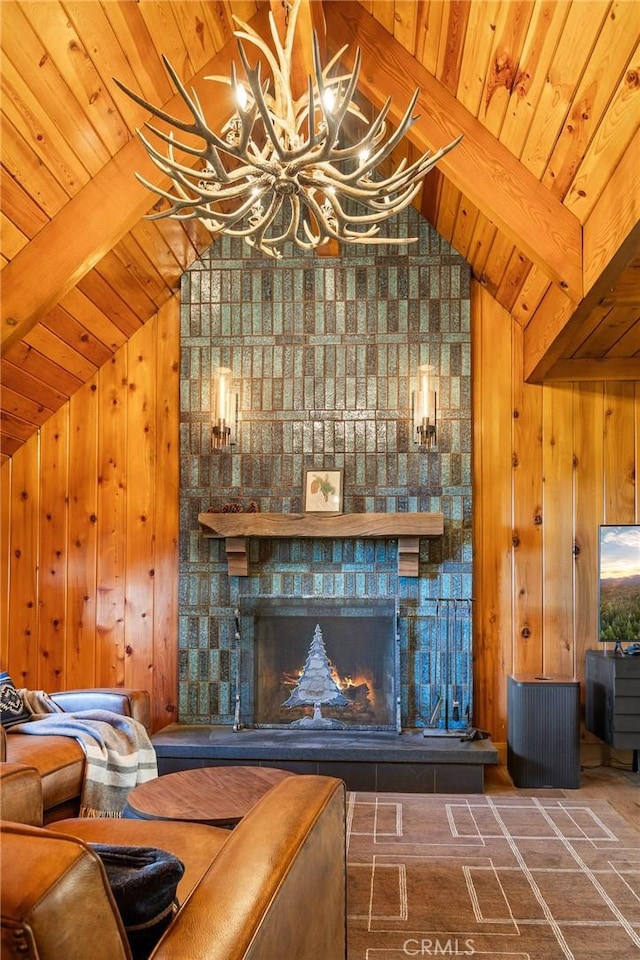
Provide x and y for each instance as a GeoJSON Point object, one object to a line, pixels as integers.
{"type": "Point", "coordinates": [281, 169]}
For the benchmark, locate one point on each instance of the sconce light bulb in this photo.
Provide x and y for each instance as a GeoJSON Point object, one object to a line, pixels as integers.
{"type": "Point", "coordinates": [223, 398]}
{"type": "Point", "coordinates": [222, 407]}
{"type": "Point", "coordinates": [424, 408]}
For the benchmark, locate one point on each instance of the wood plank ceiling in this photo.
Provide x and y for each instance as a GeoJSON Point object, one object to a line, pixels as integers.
{"type": "Point", "coordinates": [542, 197]}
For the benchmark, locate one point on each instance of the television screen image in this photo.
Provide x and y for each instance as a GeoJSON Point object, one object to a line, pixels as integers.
{"type": "Point", "coordinates": [619, 583]}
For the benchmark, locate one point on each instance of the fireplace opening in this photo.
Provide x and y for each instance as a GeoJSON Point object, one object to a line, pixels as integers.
{"type": "Point", "coordinates": [318, 664]}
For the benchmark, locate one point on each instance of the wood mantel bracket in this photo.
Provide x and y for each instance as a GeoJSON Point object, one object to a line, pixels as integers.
{"type": "Point", "coordinates": [237, 549]}
{"type": "Point", "coordinates": [237, 528]}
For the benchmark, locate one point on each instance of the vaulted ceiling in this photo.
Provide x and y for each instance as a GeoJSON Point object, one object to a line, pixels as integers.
{"type": "Point", "coordinates": [542, 197]}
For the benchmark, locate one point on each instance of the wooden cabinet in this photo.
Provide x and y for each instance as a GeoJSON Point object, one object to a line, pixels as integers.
{"type": "Point", "coordinates": [612, 699]}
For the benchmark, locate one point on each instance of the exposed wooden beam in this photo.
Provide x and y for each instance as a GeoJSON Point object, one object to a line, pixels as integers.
{"type": "Point", "coordinates": [608, 368]}
{"type": "Point", "coordinates": [548, 334]}
{"type": "Point", "coordinates": [611, 243]}
{"type": "Point", "coordinates": [558, 328]}
{"type": "Point", "coordinates": [96, 218]}
{"type": "Point", "coordinates": [480, 167]}
{"type": "Point", "coordinates": [73, 242]}
{"type": "Point", "coordinates": [626, 290]}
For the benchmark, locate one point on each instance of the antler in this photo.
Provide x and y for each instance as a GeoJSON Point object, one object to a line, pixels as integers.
{"type": "Point", "coordinates": [279, 158]}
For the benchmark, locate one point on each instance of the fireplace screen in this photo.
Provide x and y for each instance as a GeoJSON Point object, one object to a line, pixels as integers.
{"type": "Point", "coordinates": [316, 664]}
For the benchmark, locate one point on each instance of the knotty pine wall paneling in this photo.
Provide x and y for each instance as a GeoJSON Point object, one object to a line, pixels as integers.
{"type": "Point", "coordinates": [557, 530]}
{"type": "Point", "coordinates": [111, 523]}
{"type": "Point", "coordinates": [548, 469]}
{"type": "Point", "coordinates": [165, 578]}
{"type": "Point", "coordinates": [81, 646]}
{"type": "Point", "coordinates": [90, 522]}
{"type": "Point", "coordinates": [620, 453]}
{"type": "Point", "coordinates": [53, 548]}
{"type": "Point", "coordinates": [23, 563]}
{"type": "Point", "coordinates": [140, 508]}
{"type": "Point", "coordinates": [492, 349]}
{"type": "Point", "coordinates": [526, 538]}
{"type": "Point", "coordinates": [5, 547]}
{"type": "Point", "coordinates": [588, 509]}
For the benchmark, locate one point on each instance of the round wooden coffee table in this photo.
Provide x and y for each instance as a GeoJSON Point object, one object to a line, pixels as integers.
{"type": "Point", "coordinates": [219, 796]}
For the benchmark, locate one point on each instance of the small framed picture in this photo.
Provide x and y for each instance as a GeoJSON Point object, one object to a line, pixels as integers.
{"type": "Point", "coordinates": [322, 491]}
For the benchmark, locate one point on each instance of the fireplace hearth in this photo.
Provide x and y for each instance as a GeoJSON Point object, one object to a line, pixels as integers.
{"type": "Point", "coordinates": [372, 761]}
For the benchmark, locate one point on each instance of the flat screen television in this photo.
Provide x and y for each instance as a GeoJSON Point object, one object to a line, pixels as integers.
{"type": "Point", "coordinates": [619, 583]}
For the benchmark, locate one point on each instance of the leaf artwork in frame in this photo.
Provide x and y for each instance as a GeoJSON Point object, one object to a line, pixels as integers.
{"type": "Point", "coordinates": [323, 491]}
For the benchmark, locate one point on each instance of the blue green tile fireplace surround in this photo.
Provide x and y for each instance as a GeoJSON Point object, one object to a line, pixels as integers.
{"type": "Point", "coordinates": [324, 352]}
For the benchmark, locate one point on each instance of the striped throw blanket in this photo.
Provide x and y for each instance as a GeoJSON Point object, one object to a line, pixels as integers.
{"type": "Point", "coordinates": [119, 755]}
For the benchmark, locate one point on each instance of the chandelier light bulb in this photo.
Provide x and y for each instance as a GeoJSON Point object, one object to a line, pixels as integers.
{"type": "Point", "coordinates": [291, 153]}
{"type": "Point", "coordinates": [241, 96]}
{"type": "Point", "coordinates": [329, 100]}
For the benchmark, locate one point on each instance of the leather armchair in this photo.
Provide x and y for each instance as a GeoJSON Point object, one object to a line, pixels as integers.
{"type": "Point", "coordinates": [273, 887]}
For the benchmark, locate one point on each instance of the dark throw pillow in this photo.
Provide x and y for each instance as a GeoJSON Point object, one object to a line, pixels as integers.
{"type": "Point", "coordinates": [11, 702]}
{"type": "Point", "coordinates": [143, 881]}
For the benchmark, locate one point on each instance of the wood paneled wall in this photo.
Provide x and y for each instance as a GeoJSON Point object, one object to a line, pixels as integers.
{"type": "Point", "coordinates": [90, 521]}
{"type": "Point", "coordinates": [551, 463]}
{"type": "Point", "coordinates": [90, 531]}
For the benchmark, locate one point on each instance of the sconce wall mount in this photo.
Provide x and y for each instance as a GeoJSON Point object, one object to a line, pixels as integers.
{"type": "Point", "coordinates": [424, 408]}
{"type": "Point", "coordinates": [224, 409]}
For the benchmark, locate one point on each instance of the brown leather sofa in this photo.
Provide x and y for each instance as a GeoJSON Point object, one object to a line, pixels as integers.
{"type": "Point", "coordinates": [273, 887]}
{"type": "Point", "coordinates": [60, 760]}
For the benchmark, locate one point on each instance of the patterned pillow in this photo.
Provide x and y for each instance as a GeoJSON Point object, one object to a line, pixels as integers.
{"type": "Point", "coordinates": [12, 707]}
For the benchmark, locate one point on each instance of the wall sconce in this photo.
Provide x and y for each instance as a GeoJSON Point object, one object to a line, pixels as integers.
{"type": "Point", "coordinates": [424, 408]}
{"type": "Point", "coordinates": [224, 409]}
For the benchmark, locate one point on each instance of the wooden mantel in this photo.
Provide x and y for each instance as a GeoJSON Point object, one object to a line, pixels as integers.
{"type": "Point", "coordinates": [237, 528]}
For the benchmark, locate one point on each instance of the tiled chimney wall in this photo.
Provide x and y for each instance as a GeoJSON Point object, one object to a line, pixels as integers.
{"type": "Point", "coordinates": [325, 352]}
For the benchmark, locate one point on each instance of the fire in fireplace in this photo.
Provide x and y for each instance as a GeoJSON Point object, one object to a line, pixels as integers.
{"type": "Point", "coordinates": [318, 664]}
